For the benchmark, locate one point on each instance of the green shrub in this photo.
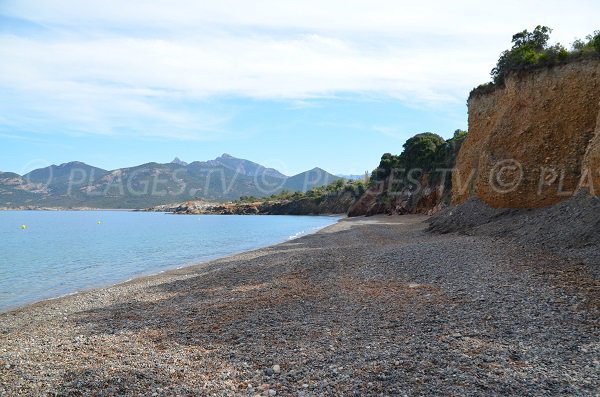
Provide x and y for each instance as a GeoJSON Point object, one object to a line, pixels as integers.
{"type": "Point", "coordinates": [387, 163]}
{"type": "Point", "coordinates": [426, 152]}
{"type": "Point", "coordinates": [595, 41]}
{"type": "Point", "coordinates": [482, 89]}
{"type": "Point", "coordinates": [420, 150]}
{"type": "Point", "coordinates": [531, 50]}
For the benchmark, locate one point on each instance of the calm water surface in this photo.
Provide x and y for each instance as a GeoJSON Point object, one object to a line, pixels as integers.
{"type": "Point", "coordinates": [64, 252]}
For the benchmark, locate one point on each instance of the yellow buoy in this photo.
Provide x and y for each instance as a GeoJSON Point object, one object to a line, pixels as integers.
{"type": "Point", "coordinates": [23, 227]}
{"type": "Point", "coordinates": [98, 222]}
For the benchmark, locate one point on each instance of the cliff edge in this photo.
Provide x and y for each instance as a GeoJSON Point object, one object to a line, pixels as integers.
{"type": "Point", "coordinates": [535, 141]}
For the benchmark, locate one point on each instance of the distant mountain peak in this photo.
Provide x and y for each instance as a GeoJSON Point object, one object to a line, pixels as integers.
{"type": "Point", "coordinates": [177, 161]}
{"type": "Point", "coordinates": [224, 178]}
{"type": "Point", "coordinates": [72, 163]}
{"type": "Point", "coordinates": [246, 167]}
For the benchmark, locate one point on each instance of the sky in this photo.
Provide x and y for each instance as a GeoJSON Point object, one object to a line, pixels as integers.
{"type": "Point", "coordinates": [285, 83]}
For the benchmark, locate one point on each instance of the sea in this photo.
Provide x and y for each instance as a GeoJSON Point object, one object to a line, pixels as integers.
{"type": "Point", "coordinates": [47, 254]}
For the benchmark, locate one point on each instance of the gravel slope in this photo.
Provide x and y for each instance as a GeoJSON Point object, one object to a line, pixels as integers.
{"type": "Point", "coordinates": [365, 307]}
{"type": "Point", "coordinates": [571, 227]}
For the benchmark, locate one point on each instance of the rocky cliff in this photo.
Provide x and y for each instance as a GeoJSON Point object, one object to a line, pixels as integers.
{"type": "Point", "coordinates": [534, 141]}
{"type": "Point", "coordinates": [424, 198]}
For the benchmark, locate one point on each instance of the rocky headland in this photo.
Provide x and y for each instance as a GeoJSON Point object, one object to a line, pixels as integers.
{"type": "Point", "coordinates": [332, 199]}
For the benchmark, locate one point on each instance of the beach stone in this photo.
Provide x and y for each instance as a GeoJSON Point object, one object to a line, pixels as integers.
{"type": "Point", "coordinates": [276, 368]}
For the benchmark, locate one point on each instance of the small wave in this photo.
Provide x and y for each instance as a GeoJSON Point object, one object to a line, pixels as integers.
{"type": "Point", "coordinates": [296, 235]}
{"type": "Point", "coordinates": [61, 296]}
{"type": "Point", "coordinates": [304, 232]}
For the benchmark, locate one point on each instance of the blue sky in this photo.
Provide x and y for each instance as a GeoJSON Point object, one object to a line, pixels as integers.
{"type": "Point", "coordinates": [288, 84]}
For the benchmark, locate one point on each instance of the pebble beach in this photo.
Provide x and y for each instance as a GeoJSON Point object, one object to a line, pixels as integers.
{"type": "Point", "coordinates": [366, 307]}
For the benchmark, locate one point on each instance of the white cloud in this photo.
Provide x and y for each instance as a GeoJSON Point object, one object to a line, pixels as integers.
{"type": "Point", "coordinates": [109, 66]}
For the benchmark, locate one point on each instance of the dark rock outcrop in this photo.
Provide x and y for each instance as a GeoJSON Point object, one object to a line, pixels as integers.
{"type": "Point", "coordinates": [421, 199]}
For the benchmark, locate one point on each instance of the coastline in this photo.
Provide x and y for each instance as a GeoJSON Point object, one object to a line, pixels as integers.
{"type": "Point", "coordinates": [367, 305]}
{"type": "Point", "coordinates": [167, 269]}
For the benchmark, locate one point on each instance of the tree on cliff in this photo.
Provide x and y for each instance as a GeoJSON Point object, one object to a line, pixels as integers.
{"type": "Point", "coordinates": [425, 152]}
{"type": "Point", "coordinates": [420, 150]}
{"type": "Point", "coordinates": [531, 50]}
{"type": "Point", "coordinates": [387, 163]}
{"type": "Point", "coordinates": [536, 40]}
{"type": "Point", "coordinates": [589, 46]}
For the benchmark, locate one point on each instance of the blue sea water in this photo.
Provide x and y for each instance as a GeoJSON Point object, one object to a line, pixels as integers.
{"type": "Point", "coordinates": [67, 251]}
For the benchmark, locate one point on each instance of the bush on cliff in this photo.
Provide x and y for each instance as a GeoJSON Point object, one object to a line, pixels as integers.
{"type": "Point", "coordinates": [425, 153]}
{"type": "Point", "coordinates": [530, 50]}
{"type": "Point", "coordinates": [421, 150]}
{"type": "Point", "coordinates": [416, 181]}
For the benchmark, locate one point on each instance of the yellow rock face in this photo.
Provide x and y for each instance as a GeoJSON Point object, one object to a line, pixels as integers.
{"type": "Point", "coordinates": [534, 142]}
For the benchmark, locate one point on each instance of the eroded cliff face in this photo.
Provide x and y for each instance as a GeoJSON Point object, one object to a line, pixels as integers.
{"type": "Point", "coordinates": [591, 161]}
{"type": "Point", "coordinates": [535, 141]}
{"type": "Point", "coordinates": [426, 198]}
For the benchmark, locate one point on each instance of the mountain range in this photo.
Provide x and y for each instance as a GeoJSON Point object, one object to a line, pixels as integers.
{"type": "Point", "coordinates": [78, 185]}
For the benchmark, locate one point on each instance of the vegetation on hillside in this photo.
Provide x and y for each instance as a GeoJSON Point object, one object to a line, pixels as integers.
{"type": "Point", "coordinates": [416, 180]}
{"type": "Point", "coordinates": [423, 153]}
{"type": "Point", "coordinates": [357, 188]}
{"type": "Point", "coordinates": [531, 50]}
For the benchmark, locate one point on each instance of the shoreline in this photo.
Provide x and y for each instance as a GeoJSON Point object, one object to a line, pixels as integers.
{"type": "Point", "coordinates": [366, 305]}
{"type": "Point", "coordinates": [331, 214]}
{"type": "Point", "coordinates": [171, 269]}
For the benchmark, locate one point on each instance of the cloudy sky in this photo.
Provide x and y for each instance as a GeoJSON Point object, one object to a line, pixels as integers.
{"type": "Point", "coordinates": [290, 84]}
